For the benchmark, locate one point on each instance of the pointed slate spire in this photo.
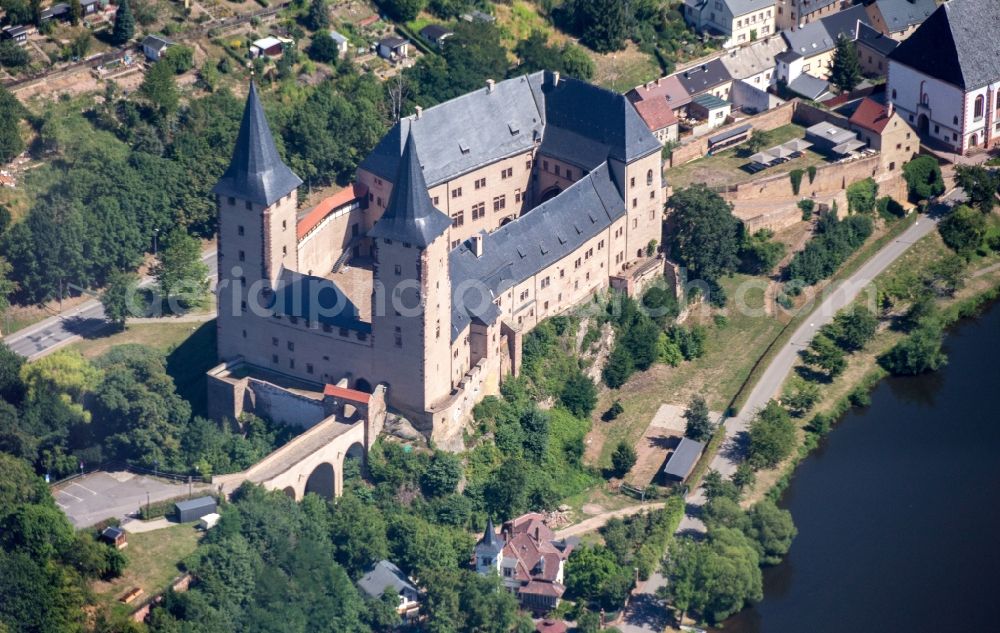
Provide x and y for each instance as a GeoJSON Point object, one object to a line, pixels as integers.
{"type": "Point", "coordinates": [410, 215]}
{"type": "Point", "coordinates": [256, 171]}
{"type": "Point", "coordinates": [490, 538]}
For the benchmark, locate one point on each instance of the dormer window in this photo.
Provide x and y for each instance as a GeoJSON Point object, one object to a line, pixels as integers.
{"type": "Point", "coordinates": [463, 147]}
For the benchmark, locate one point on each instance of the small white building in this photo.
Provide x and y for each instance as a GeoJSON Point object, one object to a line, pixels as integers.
{"type": "Point", "coordinates": [738, 22]}
{"type": "Point", "coordinates": [393, 48]}
{"type": "Point", "coordinates": [154, 46]}
{"type": "Point", "coordinates": [343, 45]}
{"type": "Point", "coordinates": [269, 46]}
{"type": "Point", "coordinates": [209, 521]}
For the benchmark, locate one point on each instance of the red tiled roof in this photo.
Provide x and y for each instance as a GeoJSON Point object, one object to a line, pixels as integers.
{"type": "Point", "coordinates": [371, 19]}
{"type": "Point", "coordinates": [871, 115]}
{"type": "Point", "coordinates": [551, 626]}
{"type": "Point", "coordinates": [327, 206]}
{"type": "Point", "coordinates": [669, 88]}
{"type": "Point", "coordinates": [656, 113]}
{"type": "Point", "coordinates": [342, 393]}
{"type": "Point", "coordinates": [540, 588]}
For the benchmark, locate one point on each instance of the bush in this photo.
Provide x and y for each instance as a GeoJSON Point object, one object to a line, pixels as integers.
{"type": "Point", "coordinates": [918, 353]}
{"type": "Point", "coordinates": [963, 230]}
{"type": "Point", "coordinates": [812, 173]}
{"type": "Point", "coordinates": [772, 437]}
{"type": "Point", "coordinates": [837, 240]}
{"type": "Point", "coordinates": [322, 48]}
{"type": "Point", "coordinates": [615, 410]}
{"type": "Point", "coordinates": [807, 206]}
{"type": "Point", "coordinates": [619, 367]}
{"type": "Point", "coordinates": [579, 395]}
{"type": "Point", "coordinates": [623, 459]}
{"type": "Point", "coordinates": [861, 196]}
{"type": "Point", "coordinates": [923, 177]}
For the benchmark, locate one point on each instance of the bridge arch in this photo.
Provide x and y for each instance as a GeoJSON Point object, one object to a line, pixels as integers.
{"type": "Point", "coordinates": [290, 492]}
{"type": "Point", "coordinates": [322, 481]}
{"type": "Point", "coordinates": [363, 385]}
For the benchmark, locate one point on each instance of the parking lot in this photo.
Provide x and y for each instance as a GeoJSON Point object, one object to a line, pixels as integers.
{"type": "Point", "coordinates": [101, 495]}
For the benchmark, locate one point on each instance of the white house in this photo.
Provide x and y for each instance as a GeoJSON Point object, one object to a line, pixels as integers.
{"type": "Point", "coordinates": [342, 43]}
{"type": "Point", "coordinates": [153, 46]}
{"type": "Point", "coordinates": [738, 21]}
{"type": "Point", "coordinates": [945, 78]}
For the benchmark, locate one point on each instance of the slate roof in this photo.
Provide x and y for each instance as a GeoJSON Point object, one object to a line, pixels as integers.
{"type": "Point", "coordinates": [410, 215]}
{"type": "Point", "coordinates": [902, 14]}
{"type": "Point", "coordinates": [876, 40]}
{"type": "Point", "coordinates": [339, 38]}
{"type": "Point", "coordinates": [699, 79]}
{"type": "Point", "coordinates": [155, 42]}
{"type": "Point", "coordinates": [383, 575]}
{"type": "Point", "coordinates": [742, 7]}
{"type": "Point", "coordinates": [846, 22]}
{"type": "Point", "coordinates": [811, 39]}
{"type": "Point", "coordinates": [808, 86]}
{"type": "Point", "coordinates": [787, 56]}
{"type": "Point", "coordinates": [683, 458]}
{"type": "Point", "coordinates": [957, 44]}
{"type": "Point", "coordinates": [434, 32]}
{"type": "Point", "coordinates": [490, 537]}
{"type": "Point", "coordinates": [754, 59]}
{"type": "Point", "coordinates": [805, 7]}
{"type": "Point", "coordinates": [484, 126]}
{"type": "Point", "coordinates": [536, 240]}
{"type": "Point", "coordinates": [256, 171]}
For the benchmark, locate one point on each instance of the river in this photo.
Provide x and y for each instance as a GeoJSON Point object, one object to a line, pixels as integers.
{"type": "Point", "coordinates": [898, 510]}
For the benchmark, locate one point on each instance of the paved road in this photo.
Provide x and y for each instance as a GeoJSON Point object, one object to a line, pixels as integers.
{"type": "Point", "coordinates": [647, 615]}
{"type": "Point", "coordinates": [87, 319]}
{"type": "Point", "coordinates": [598, 520]}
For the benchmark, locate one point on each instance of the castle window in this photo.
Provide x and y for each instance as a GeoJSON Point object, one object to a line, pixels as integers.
{"type": "Point", "coordinates": [545, 165]}
{"type": "Point", "coordinates": [557, 170]}
{"type": "Point", "coordinates": [562, 273]}
{"type": "Point", "coordinates": [291, 346]}
{"type": "Point", "coordinates": [380, 201]}
{"type": "Point", "coordinates": [649, 177]}
{"type": "Point", "coordinates": [309, 368]}
{"type": "Point", "coordinates": [274, 358]}
{"type": "Point", "coordinates": [244, 333]}
{"type": "Point", "coordinates": [243, 306]}
{"type": "Point", "coordinates": [399, 269]}
{"type": "Point", "coordinates": [480, 183]}
{"type": "Point", "coordinates": [500, 202]}
{"type": "Point", "coordinates": [248, 205]}
{"type": "Point", "coordinates": [435, 201]}
{"type": "Point", "coordinates": [243, 256]}
{"type": "Point", "coordinates": [635, 202]}
{"type": "Point", "coordinates": [458, 219]}
{"type": "Point", "coordinates": [274, 341]}
{"type": "Point", "coordinates": [631, 181]}
{"type": "Point", "coordinates": [977, 112]}
{"type": "Point", "coordinates": [517, 195]}
{"type": "Point", "coordinates": [291, 363]}
{"type": "Point", "coordinates": [371, 197]}
{"type": "Point", "coordinates": [524, 295]}
{"type": "Point", "coordinates": [527, 164]}
{"type": "Point", "coordinates": [652, 195]}
{"type": "Point", "coordinates": [399, 337]}
{"type": "Point", "coordinates": [284, 225]}
{"type": "Point", "coordinates": [284, 250]}
{"type": "Point", "coordinates": [456, 192]}
{"type": "Point", "coordinates": [506, 173]}
{"type": "Point", "coordinates": [569, 174]}
{"type": "Point", "coordinates": [232, 201]}
{"type": "Point", "coordinates": [577, 263]}
{"type": "Point", "coordinates": [600, 245]}
{"type": "Point", "coordinates": [546, 305]}
{"type": "Point", "coordinates": [652, 214]}
{"type": "Point", "coordinates": [239, 230]}
{"type": "Point", "coordinates": [478, 210]}
{"type": "Point", "coordinates": [545, 282]}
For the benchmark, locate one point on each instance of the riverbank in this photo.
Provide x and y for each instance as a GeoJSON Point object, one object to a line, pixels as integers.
{"type": "Point", "coordinates": [980, 285]}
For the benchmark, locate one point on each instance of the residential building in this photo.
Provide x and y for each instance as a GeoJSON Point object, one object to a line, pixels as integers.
{"type": "Point", "coordinates": [873, 50]}
{"type": "Point", "coordinates": [58, 11]}
{"type": "Point", "coordinates": [469, 223]}
{"type": "Point", "coordinates": [383, 576]}
{"type": "Point", "coordinates": [436, 34]}
{"type": "Point", "coordinates": [154, 46]}
{"type": "Point", "coordinates": [793, 14]}
{"type": "Point", "coordinates": [882, 128]}
{"type": "Point", "coordinates": [659, 118]}
{"type": "Point", "coordinates": [269, 46]}
{"type": "Point", "coordinates": [528, 558]}
{"type": "Point", "coordinates": [899, 18]}
{"type": "Point", "coordinates": [667, 88]}
{"type": "Point", "coordinates": [393, 48]}
{"type": "Point", "coordinates": [737, 22]}
{"type": "Point", "coordinates": [710, 77]}
{"type": "Point", "coordinates": [945, 79]}
{"type": "Point", "coordinates": [711, 109]}
{"type": "Point", "coordinates": [817, 40]}
{"type": "Point", "coordinates": [18, 33]}
{"type": "Point", "coordinates": [754, 64]}
{"type": "Point", "coordinates": [90, 7]}
{"type": "Point", "coordinates": [833, 140]}
{"type": "Point", "coordinates": [343, 44]}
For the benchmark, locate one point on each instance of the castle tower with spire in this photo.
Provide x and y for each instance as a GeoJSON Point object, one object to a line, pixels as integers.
{"type": "Point", "coordinates": [411, 300]}
{"type": "Point", "coordinates": [489, 551]}
{"type": "Point", "coordinates": [256, 199]}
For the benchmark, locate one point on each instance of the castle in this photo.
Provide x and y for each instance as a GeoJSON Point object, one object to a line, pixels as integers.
{"type": "Point", "coordinates": [468, 224]}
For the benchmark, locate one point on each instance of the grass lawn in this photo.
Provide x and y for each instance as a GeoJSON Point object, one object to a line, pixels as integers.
{"type": "Point", "coordinates": [190, 350]}
{"type": "Point", "coordinates": [623, 70]}
{"type": "Point", "coordinates": [731, 352]}
{"type": "Point", "coordinates": [724, 168]}
{"type": "Point", "coordinates": [153, 559]}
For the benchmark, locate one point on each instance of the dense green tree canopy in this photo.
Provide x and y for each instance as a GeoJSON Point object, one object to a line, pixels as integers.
{"type": "Point", "coordinates": [846, 72]}
{"type": "Point", "coordinates": [772, 436]}
{"type": "Point", "coordinates": [706, 237]}
{"type": "Point", "coordinates": [923, 177]}
{"type": "Point", "coordinates": [698, 423]}
{"type": "Point", "coordinates": [963, 230]}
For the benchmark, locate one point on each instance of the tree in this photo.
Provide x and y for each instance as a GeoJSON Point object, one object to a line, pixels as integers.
{"type": "Point", "coordinates": [124, 27]}
{"type": "Point", "coordinates": [772, 436]}
{"type": "Point", "coordinates": [7, 286]}
{"type": "Point", "coordinates": [442, 475]}
{"type": "Point", "coordinates": [358, 533]}
{"type": "Point", "coordinates": [861, 196]}
{"type": "Point", "coordinates": [602, 24]}
{"type": "Point", "coordinates": [918, 353]}
{"type": "Point", "coordinates": [846, 71]}
{"type": "Point", "coordinates": [323, 49]}
{"type": "Point", "coordinates": [180, 272]}
{"type": "Point", "coordinates": [699, 424]}
{"type": "Point", "coordinates": [854, 328]}
{"type": "Point", "coordinates": [660, 304]}
{"type": "Point", "coordinates": [980, 184]}
{"type": "Point", "coordinates": [618, 368]}
{"type": "Point", "coordinates": [180, 58]}
{"type": "Point", "coordinates": [75, 12]}
{"type": "Point", "coordinates": [318, 17]}
{"type": "Point", "coordinates": [772, 530]}
{"type": "Point", "coordinates": [579, 395]}
{"type": "Point", "coordinates": [800, 396]}
{"type": "Point", "coordinates": [594, 576]}
{"type": "Point", "coordinates": [12, 55]}
{"type": "Point", "coordinates": [706, 236]}
{"type": "Point", "coordinates": [714, 578]}
{"type": "Point", "coordinates": [963, 230]}
{"type": "Point", "coordinates": [118, 297]}
{"type": "Point", "coordinates": [160, 89]}
{"type": "Point", "coordinates": [923, 177]}
{"type": "Point", "coordinates": [11, 387]}
{"type": "Point", "coordinates": [759, 254]}
{"type": "Point", "coordinates": [402, 10]}
{"type": "Point", "coordinates": [623, 459]}
{"type": "Point", "coordinates": [824, 353]}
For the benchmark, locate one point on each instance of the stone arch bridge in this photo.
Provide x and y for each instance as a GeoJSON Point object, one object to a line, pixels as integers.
{"type": "Point", "coordinates": [342, 424]}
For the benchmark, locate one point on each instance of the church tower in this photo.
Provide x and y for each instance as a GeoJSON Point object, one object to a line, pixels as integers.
{"type": "Point", "coordinates": [256, 199]}
{"type": "Point", "coordinates": [411, 301]}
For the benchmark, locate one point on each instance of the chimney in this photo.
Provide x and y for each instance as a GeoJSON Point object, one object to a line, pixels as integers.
{"type": "Point", "coordinates": [889, 109]}
{"type": "Point", "coordinates": [477, 245]}
{"type": "Point", "coordinates": [555, 77]}
{"type": "Point", "coordinates": [490, 84]}
{"type": "Point", "coordinates": [418, 111]}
